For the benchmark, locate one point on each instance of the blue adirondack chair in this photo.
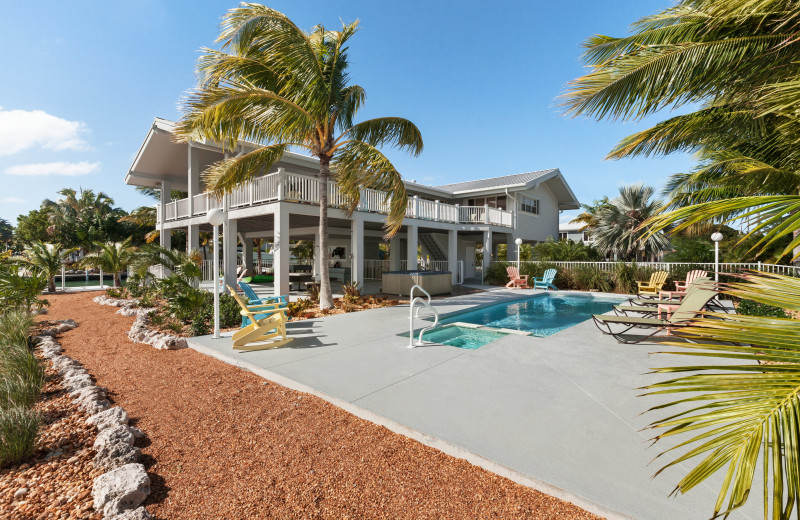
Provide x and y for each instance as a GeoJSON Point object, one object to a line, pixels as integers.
{"type": "Point", "coordinates": [546, 281]}
{"type": "Point", "coordinates": [279, 302]}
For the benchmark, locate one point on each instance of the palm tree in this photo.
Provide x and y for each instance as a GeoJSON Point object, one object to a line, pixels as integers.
{"type": "Point", "coordinates": [563, 250]}
{"type": "Point", "coordinates": [111, 257]}
{"type": "Point", "coordinates": [46, 259]}
{"type": "Point", "coordinates": [743, 398]}
{"type": "Point", "coordinates": [737, 59]}
{"type": "Point", "coordinates": [616, 224]}
{"type": "Point", "coordinates": [274, 84]}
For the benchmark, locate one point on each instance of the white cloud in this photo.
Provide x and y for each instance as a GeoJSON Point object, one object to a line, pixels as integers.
{"type": "Point", "coordinates": [54, 168]}
{"type": "Point", "coordinates": [14, 200]}
{"type": "Point", "coordinates": [24, 129]}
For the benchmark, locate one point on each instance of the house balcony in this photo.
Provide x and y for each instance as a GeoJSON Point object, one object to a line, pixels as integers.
{"type": "Point", "coordinates": [291, 187]}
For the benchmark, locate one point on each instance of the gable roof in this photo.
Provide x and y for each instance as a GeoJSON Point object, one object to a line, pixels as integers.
{"type": "Point", "coordinates": [506, 181]}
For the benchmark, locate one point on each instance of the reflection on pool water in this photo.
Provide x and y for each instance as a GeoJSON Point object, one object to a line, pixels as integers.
{"type": "Point", "coordinates": [462, 337]}
{"type": "Point", "coordinates": [541, 315]}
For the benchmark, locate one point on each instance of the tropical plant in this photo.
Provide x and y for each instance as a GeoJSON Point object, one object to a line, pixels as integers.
{"type": "Point", "coordinates": [47, 259]}
{"type": "Point", "coordinates": [22, 292]}
{"type": "Point", "coordinates": [563, 250]}
{"type": "Point", "coordinates": [19, 431]}
{"type": "Point", "coordinates": [616, 225]}
{"type": "Point", "coordinates": [276, 85]}
{"type": "Point", "coordinates": [111, 257]}
{"type": "Point", "coordinates": [80, 218]}
{"type": "Point", "coordinates": [6, 233]}
{"type": "Point", "coordinates": [15, 325]}
{"type": "Point", "coordinates": [737, 60]}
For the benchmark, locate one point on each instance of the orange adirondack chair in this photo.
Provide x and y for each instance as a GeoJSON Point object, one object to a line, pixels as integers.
{"type": "Point", "coordinates": [515, 281]}
{"type": "Point", "coordinates": [690, 277]}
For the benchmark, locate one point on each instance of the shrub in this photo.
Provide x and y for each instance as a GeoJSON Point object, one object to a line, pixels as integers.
{"type": "Point", "coordinates": [20, 389]}
{"type": "Point", "coordinates": [116, 292]}
{"type": "Point", "coordinates": [229, 311]}
{"type": "Point", "coordinates": [313, 292]}
{"type": "Point", "coordinates": [19, 430]}
{"type": "Point", "coordinates": [200, 327]}
{"type": "Point", "coordinates": [351, 292]}
{"type": "Point", "coordinates": [754, 308]}
{"type": "Point", "coordinates": [295, 309]}
{"type": "Point", "coordinates": [15, 327]}
{"type": "Point", "coordinates": [586, 278]}
{"type": "Point", "coordinates": [496, 273]}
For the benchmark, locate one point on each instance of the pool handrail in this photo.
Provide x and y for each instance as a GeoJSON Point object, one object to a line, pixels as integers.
{"type": "Point", "coordinates": [411, 315]}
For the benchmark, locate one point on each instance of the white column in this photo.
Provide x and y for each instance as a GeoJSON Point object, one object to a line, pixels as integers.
{"type": "Point", "coordinates": [357, 249]}
{"type": "Point", "coordinates": [452, 253]}
{"type": "Point", "coordinates": [280, 250]}
{"type": "Point", "coordinates": [229, 240]}
{"type": "Point", "coordinates": [247, 252]}
{"type": "Point", "coordinates": [487, 249]}
{"type": "Point", "coordinates": [192, 238]}
{"type": "Point", "coordinates": [164, 235]}
{"type": "Point", "coordinates": [411, 250]}
{"type": "Point", "coordinates": [394, 253]}
{"type": "Point", "coordinates": [318, 257]}
{"type": "Point", "coordinates": [193, 177]}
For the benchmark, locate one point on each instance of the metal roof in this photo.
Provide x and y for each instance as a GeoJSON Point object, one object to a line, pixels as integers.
{"type": "Point", "coordinates": [506, 181]}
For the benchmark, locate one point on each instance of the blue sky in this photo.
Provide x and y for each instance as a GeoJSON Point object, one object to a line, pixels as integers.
{"type": "Point", "coordinates": [82, 82]}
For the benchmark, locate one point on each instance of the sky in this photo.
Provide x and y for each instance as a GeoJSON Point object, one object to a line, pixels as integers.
{"type": "Point", "coordinates": [80, 84]}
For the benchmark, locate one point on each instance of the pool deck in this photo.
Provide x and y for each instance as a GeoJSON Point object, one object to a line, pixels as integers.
{"type": "Point", "coordinates": [560, 413]}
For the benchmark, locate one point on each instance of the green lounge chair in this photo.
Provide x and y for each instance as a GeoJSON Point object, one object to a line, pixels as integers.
{"type": "Point", "coordinates": [689, 308]}
{"type": "Point", "coordinates": [546, 281]}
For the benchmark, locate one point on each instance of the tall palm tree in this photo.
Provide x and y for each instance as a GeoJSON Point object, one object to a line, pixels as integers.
{"type": "Point", "coordinates": [275, 84]}
{"type": "Point", "coordinates": [616, 224]}
{"type": "Point", "coordinates": [111, 257]}
{"type": "Point", "coordinates": [737, 59]}
{"type": "Point", "coordinates": [46, 259]}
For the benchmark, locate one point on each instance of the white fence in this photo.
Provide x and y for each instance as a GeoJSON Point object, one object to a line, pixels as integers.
{"type": "Point", "coordinates": [293, 187]}
{"type": "Point", "coordinates": [683, 266]}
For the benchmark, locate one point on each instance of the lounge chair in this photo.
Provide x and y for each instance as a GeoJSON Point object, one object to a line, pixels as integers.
{"type": "Point", "coordinates": [681, 316]}
{"type": "Point", "coordinates": [690, 277]}
{"type": "Point", "coordinates": [515, 280]}
{"type": "Point", "coordinates": [279, 302]}
{"type": "Point", "coordinates": [654, 285]}
{"type": "Point", "coordinates": [676, 296]}
{"type": "Point", "coordinates": [546, 281]}
{"type": "Point", "coordinates": [266, 322]}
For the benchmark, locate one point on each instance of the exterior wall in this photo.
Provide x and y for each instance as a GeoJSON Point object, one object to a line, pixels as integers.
{"type": "Point", "coordinates": [530, 227]}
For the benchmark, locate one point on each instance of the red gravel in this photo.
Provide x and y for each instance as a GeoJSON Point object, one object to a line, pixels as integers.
{"type": "Point", "coordinates": [223, 443]}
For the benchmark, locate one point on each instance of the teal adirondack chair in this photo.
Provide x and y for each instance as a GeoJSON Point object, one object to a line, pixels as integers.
{"type": "Point", "coordinates": [281, 301]}
{"type": "Point", "coordinates": [546, 281]}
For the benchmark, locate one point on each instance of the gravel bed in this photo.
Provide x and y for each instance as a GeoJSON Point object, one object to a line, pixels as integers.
{"type": "Point", "coordinates": [224, 443]}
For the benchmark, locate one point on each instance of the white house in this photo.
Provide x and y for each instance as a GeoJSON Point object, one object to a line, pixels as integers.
{"type": "Point", "coordinates": [447, 222]}
{"type": "Point", "coordinates": [574, 232]}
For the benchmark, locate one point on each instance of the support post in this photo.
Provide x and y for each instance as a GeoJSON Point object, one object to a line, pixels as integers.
{"type": "Point", "coordinates": [357, 250]}
{"type": "Point", "coordinates": [229, 238]}
{"type": "Point", "coordinates": [452, 253]}
{"type": "Point", "coordinates": [193, 178]}
{"type": "Point", "coordinates": [247, 253]}
{"type": "Point", "coordinates": [192, 238]}
{"type": "Point", "coordinates": [487, 250]}
{"type": "Point", "coordinates": [411, 250]}
{"type": "Point", "coordinates": [164, 235]}
{"type": "Point", "coordinates": [280, 251]}
{"type": "Point", "coordinates": [394, 253]}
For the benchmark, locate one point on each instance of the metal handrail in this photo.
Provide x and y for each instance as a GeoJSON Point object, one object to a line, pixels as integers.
{"type": "Point", "coordinates": [412, 315]}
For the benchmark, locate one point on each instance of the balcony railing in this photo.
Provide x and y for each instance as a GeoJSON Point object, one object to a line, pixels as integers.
{"type": "Point", "coordinates": [292, 187]}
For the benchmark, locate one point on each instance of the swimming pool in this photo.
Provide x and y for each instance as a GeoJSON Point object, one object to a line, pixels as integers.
{"type": "Point", "coordinates": [541, 315]}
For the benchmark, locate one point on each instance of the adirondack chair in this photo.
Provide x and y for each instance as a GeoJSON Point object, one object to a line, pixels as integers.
{"type": "Point", "coordinates": [280, 302]}
{"type": "Point", "coordinates": [515, 280]}
{"type": "Point", "coordinates": [266, 322]}
{"type": "Point", "coordinates": [651, 287]}
{"type": "Point", "coordinates": [546, 281]}
{"type": "Point", "coordinates": [690, 277]}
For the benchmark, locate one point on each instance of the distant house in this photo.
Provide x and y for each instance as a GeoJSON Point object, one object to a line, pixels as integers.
{"type": "Point", "coordinates": [446, 223]}
{"type": "Point", "coordinates": [573, 232]}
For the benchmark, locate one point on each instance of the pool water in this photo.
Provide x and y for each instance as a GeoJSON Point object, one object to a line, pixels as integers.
{"type": "Point", "coordinates": [462, 337]}
{"type": "Point", "coordinates": [540, 315]}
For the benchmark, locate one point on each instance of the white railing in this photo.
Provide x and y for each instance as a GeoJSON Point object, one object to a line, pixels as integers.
{"type": "Point", "coordinates": [726, 267]}
{"type": "Point", "coordinates": [433, 265]}
{"type": "Point", "coordinates": [294, 187]}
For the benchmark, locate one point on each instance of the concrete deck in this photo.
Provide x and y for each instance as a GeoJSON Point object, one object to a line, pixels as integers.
{"type": "Point", "coordinates": [560, 413]}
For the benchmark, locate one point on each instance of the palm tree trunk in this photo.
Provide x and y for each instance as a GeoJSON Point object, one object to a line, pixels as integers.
{"type": "Point", "coordinates": [117, 279]}
{"type": "Point", "coordinates": [51, 284]}
{"type": "Point", "coordinates": [325, 293]}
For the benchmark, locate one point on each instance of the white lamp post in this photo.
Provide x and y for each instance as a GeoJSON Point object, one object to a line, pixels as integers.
{"type": "Point", "coordinates": [216, 217]}
{"type": "Point", "coordinates": [717, 238]}
{"type": "Point", "coordinates": [518, 241]}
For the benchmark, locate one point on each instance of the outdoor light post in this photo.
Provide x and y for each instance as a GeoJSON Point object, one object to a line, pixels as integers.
{"type": "Point", "coordinates": [717, 238]}
{"type": "Point", "coordinates": [518, 241]}
{"type": "Point", "coordinates": [216, 217]}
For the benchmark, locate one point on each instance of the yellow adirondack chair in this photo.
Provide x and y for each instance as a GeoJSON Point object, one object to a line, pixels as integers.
{"type": "Point", "coordinates": [266, 322]}
{"type": "Point", "coordinates": [652, 287]}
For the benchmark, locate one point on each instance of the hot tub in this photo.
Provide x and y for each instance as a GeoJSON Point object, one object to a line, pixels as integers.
{"type": "Point", "coordinates": [401, 282]}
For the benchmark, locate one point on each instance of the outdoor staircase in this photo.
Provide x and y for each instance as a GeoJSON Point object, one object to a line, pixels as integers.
{"type": "Point", "coordinates": [431, 247]}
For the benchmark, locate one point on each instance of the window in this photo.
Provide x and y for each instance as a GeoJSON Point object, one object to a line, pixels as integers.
{"type": "Point", "coordinates": [529, 204]}
{"type": "Point", "coordinates": [562, 236]}
{"type": "Point", "coordinates": [586, 237]}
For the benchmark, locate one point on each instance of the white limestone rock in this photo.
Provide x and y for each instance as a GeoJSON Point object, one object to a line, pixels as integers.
{"type": "Point", "coordinates": [115, 416]}
{"type": "Point", "coordinates": [121, 489]}
{"type": "Point", "coordinates": [140, 513]}
{"type": "Point", "coordinates": [115, 454]}
{"type": "Point", "coordinates": [119, 434]}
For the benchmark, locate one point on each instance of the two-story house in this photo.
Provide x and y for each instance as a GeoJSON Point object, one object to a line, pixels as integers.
{"type": "Point", "coordinates": [448, 223]}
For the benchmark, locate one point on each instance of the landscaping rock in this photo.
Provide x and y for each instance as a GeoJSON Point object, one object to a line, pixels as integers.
{"type": "Point", "coordinates": [91, 399]}
{"type": "Point", "coordinates": [121, 489]}
{"type": "Point", "coordinates": [118, 434]}
{"type": "Point", "coordinates": [115, 454]}
{"type": "Point", "coordinates": [140, 513]}
{"type": "Point", "coordinates": [109, 418]}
